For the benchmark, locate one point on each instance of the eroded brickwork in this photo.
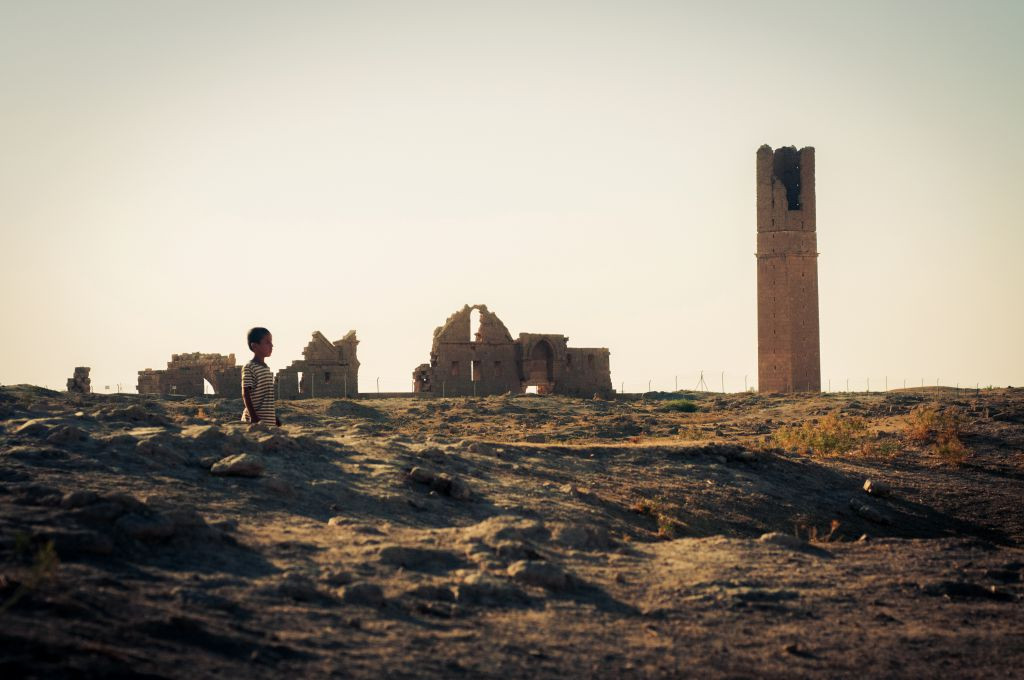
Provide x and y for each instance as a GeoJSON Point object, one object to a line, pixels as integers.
{"type": "Point", "coordinates": [491, 362]}
{"type": "Point", "coordinates": [787, 272]}
{"type": "Point", "coordinates": [80, 382]}
{"type": "Point", "coordinates": [327, 369]}
{"type": "Point", "coordinates": [185, 373]}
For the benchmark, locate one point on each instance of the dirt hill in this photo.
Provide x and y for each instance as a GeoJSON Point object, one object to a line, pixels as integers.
{"type": "Point", "coordinates": [683, 534]}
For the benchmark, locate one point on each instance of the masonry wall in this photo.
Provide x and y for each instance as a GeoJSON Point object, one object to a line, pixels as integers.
{"type": "Point", "coordinates": [787, 272]}
{"type": "Point", "coordinates": [493, 363]}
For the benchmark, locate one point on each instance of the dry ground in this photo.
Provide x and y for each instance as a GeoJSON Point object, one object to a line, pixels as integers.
{"type": "Point", "coordinates": [509, 537]}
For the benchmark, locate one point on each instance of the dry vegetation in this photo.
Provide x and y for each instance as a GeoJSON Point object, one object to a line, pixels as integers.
{"type": "Point", "coordinates": [685, 534]}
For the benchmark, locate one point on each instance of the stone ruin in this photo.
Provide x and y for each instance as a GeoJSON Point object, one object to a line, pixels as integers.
{"type": "Point", "coordinates": [491, 362]}
{"type": "Point", "coordinates": [185, 374]}
{"type": "Point", "coordinates": [80, 382]}
{"type": "Point", "coordinates": [327, 369]}
{"type": "Point", "coordinates": [788, 344]}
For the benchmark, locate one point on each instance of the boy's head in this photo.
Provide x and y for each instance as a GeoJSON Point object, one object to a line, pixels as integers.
{"type": "Point", "coordinates": [261, 342]}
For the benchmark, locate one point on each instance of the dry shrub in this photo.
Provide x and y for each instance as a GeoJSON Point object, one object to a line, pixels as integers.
{"type": "Point", "coordinates": [832, 434]}
{"type": "Point", "coordinates": [885, 448]}
{"type": "Point", "coordinates": [941, 428]}
{"type": "Point", "coordinates": [668, 526]}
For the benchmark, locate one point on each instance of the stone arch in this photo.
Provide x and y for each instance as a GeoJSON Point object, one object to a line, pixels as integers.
{"type": "Point", "coordinates": [539, 367]}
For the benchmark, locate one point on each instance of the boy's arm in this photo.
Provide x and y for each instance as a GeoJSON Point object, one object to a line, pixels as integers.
{"type": "Point", "coordinates": [247, 400]}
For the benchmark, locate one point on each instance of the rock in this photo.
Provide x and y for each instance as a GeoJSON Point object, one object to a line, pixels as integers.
{"type": "Point", "coordinates": [299, 588]}
{"type": "Point", "coordinates": [542, 574]}
{"type": "Point", "coordinates": [278, 487]}
{"type": "Point", "coordinates": [459, 490]}
{"type": "Point", "coordinates": [535, 438]}
{"type": "Point", "coordinates": [241, 465]}
{"type": "Point", "coordinates": [418, 559]}
{"type": "Point", "coordinates": [161, 451]}
{"type": "Point", "coordinates": [581, 537]}
{"type": "Point", "coordinates": [337, 577]}
{"type": "Point", "coordinates": [876, 488]}
{"type": "Point", "coordinates": [139, 527]}
{"type": "Point", "coordinates": [783, 540]}
{"type": "Point", "coordinates": [868, 512]}
{"type": "Point", "coordinates": [127, 501]}
{"type": "Point", "coordinates": [483, 588]}
{"type": "Point", "coordinates": [746, 456]}
{"type": "Point", "coordinates": [76, 499]}
{"type": "Point", "coordinates": [366, 594]}
{"type": "Point", "coordinates": [429, 592]}
{"type": "Point", "coordinates": [63, 435]}
{"type": "Point", "coordinates": [570, 489]}
{"type": "Point", "coordinates": [421, 475]}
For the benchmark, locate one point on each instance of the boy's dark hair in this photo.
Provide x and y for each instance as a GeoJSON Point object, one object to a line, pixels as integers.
{"type": "Point", "coordinates": [256, 335]}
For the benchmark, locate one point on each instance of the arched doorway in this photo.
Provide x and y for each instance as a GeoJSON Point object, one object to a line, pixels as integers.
{"type": "Point", "coordinates": [539, 368]}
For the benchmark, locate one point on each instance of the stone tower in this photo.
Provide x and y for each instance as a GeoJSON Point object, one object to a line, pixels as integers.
{"type": "Point", "coordinates": [788, 349]}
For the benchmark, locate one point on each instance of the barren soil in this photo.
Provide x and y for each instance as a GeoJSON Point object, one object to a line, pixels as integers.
{"type": "Point", "coordinates": [507, 537]}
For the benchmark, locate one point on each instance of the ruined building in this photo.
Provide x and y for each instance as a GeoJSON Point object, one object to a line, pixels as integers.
{"type": "Point", "coordinates": [491, 362]}
{"type": "Point", "coordinates": [328, 369]}
{"type": "Point", "coordinates": [788, 349]}
{"type": "Point", "coordinates": [185, 374]}
{"type": "Point", "coordinates": [80, 382]}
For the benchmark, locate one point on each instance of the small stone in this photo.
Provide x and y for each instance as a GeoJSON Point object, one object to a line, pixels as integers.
{"type": "Point", "coordinates": [241, 465]}
{"type": "Point", "coordinates": [570, 489]}
{"type": "Point", "coordinates": [746, 456]}
{"type": "Point", "coordinates": [366, 594]}
{"type": "Point", "coordinates": [783, 540]}
{"type": "Point", "coordinates": [421, 475]}
{"type": "Point", "coordinates": [876, 488]}
{"type": "Point", "coordinates": [76, 499]}
{"type": "Point", "coordinates": [543, 574]}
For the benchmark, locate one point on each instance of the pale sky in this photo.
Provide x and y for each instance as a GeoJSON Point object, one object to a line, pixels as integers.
{"type": "Point", "coordinates": [173, 173]}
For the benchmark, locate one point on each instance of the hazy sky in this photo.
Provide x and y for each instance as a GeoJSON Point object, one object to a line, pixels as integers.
{"type": "Point", "coordinates": [172, 173]}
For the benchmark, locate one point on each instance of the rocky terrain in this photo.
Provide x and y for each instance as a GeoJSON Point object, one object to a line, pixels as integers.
{"type": "Point", "coordinates": [864, 535]}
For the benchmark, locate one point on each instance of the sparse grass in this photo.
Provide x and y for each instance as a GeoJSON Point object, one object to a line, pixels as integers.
{"type": "Point", "coordinates": [830, 435]}
{"type": "Point", "coordinates": [680, 406]}
{"type": "Point", "coordinates": [44, 568]}
{"type": "Point", "coordinates": [939, 428]}
{"type": "Point", "coordinates": [885, 448]}
{"type": "Point", "coordinates": [668, 527]}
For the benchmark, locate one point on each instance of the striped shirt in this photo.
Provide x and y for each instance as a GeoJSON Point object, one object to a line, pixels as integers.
{"type": "Point", "coordinates": [260, 381]}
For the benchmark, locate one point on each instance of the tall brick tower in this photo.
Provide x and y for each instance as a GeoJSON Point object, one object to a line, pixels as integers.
{"type": "Point", "coordinates": [788, 348]}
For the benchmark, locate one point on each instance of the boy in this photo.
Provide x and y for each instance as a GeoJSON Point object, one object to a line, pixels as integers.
{"type": "Point", "coordinates": [258, 381]}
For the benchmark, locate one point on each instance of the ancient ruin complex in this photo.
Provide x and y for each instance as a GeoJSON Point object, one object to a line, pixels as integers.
{"type": "Point", "coordinates": [788, 350]}
{"type": "Point", "coordinates": [328, 369]}
{"type": "Point", "coordinates": [185, 373]}
{"type": "Point", "coordinates": [80, 382]}
{"type": "Point", "coordinates": [491, 362]}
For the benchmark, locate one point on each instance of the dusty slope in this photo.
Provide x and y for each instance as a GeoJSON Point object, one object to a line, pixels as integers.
{"type": "Point", "coordinates": [504, 537]}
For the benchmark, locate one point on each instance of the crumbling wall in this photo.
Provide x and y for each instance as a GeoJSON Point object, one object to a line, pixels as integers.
{"type": "Point", "coordinates": [80, 382]}
{"type": "Point", "coordinates": [788, 344]}
{"type": "Point", "coordinates": [185, 374]}
{"type": "Point", "coordinates": [328, 369]}
{"type": "Point", "coordinates": [491, 362]}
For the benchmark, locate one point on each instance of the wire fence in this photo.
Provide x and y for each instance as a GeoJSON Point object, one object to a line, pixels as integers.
{"type": "Point", "coordinates": [726, 382]}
